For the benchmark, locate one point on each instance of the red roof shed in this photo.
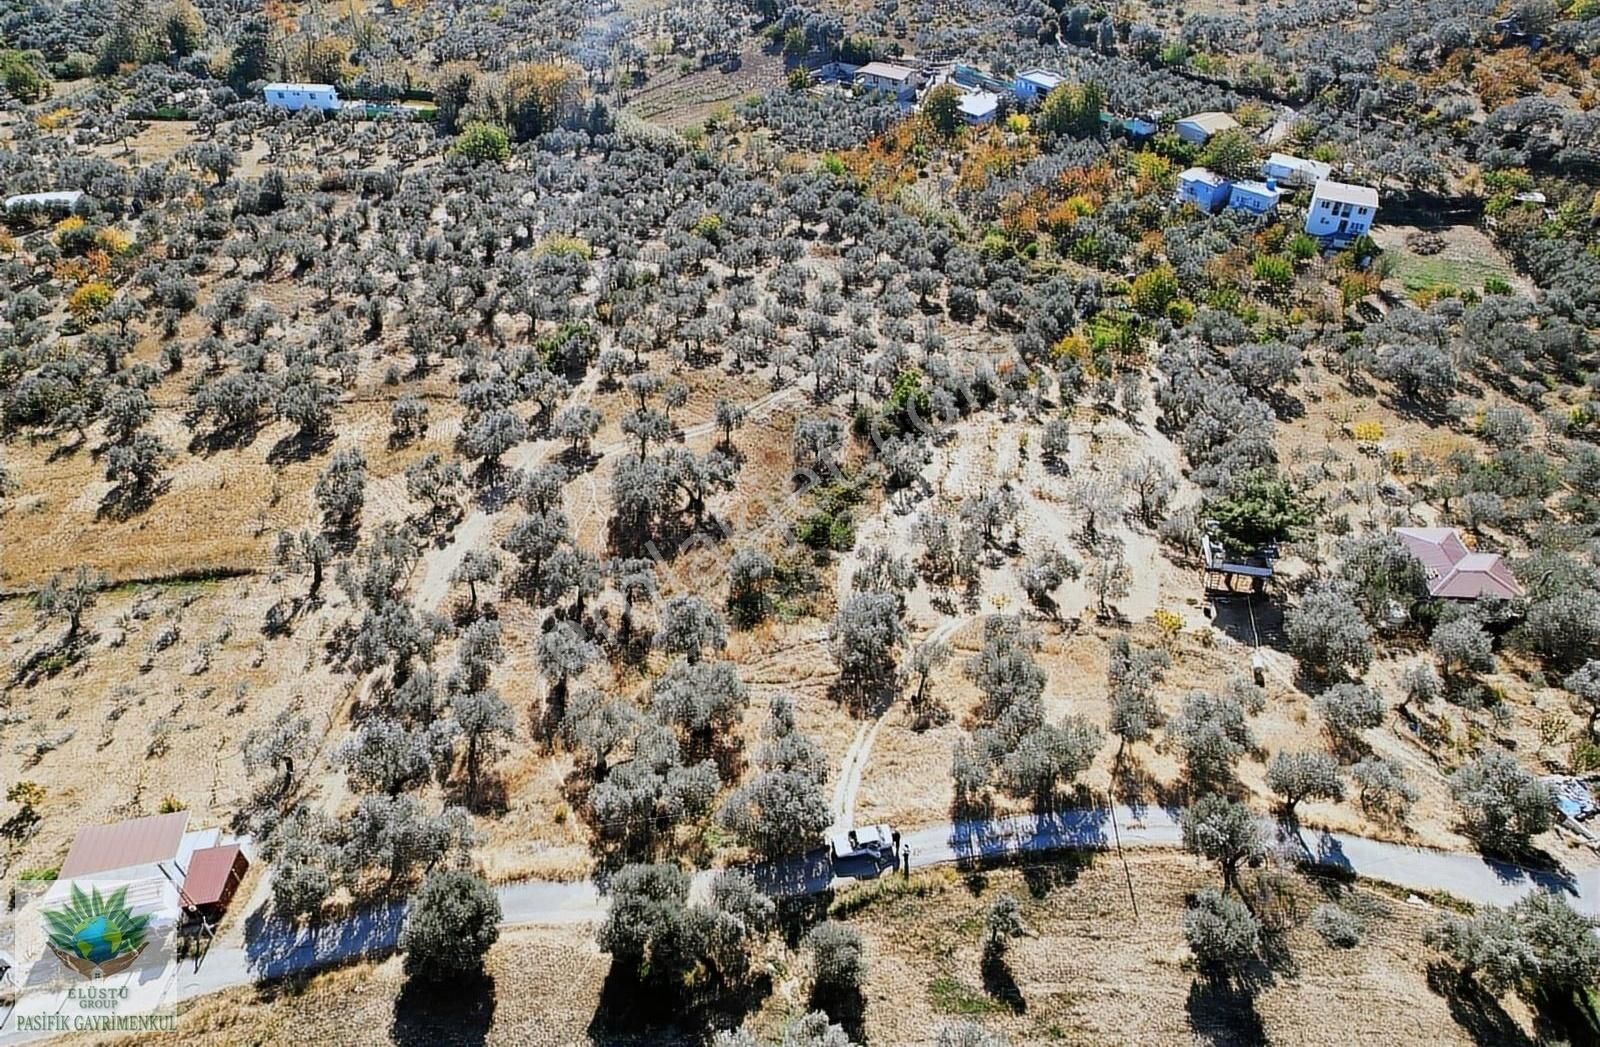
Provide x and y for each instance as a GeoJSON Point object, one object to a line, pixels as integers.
{"type": "Point", "coordinates": [214, 874]}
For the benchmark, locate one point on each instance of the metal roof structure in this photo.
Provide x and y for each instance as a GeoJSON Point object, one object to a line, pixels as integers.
{"type": "Point", "coordinates": [980, 104]}
{"type": "Point", "coordinates": [885, 71]}
{"type": "Point", "coordinates": [209, 870]}
{"type": "Point", "coordinates": [124, 845]}
{"type": "Point", "coordinates": [1345, 193]}
{"type": "Point", "coordinates": [1202, 174]}
{"type": "Point", "coordinates": [298, 87]}
{"type": "Point", "coordinates": [1211, 123]}
{"type": "Point", "coordinates": [1454, 571]}
{"type": "Point", "coordinates": [1042, 78]}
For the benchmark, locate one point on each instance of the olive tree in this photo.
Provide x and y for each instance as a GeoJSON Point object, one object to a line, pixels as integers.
{"type": "Point", "coordinates": [1538, 945]}
{"type": "Point", "coordinates": [1502, 804]}
{"type": "Point", "coordinates": [1304, 776]}
{"type": "Point", "coordinates": [689, 625]}
{"type": "Point", "coordinates": [1348, 709]}
{"type": "Point", "coordinates": [1464, 649]}
{"type": "Point", "coordinates": [1584, 685]}
{"type": "Point", "coordinates": [341, 490]}
{"type": "Point", "coordinates": [1382, 788]}
{"type": "Point", "coordinates": [1221, 931]}
{"type": "Point", "coordinates": [1213, 732]}
{"type": "Point", "coordinates": [451, 924]}
{"type": "Point", "coordinates": [1223, 830]}
{"type": "Point", "coordinates": [1001, 923]}
{"type": "Point", "coordinates": [71, 598]}
{"type": "Point", "coordinates": [1327, 633]}
{"type": "Point", "coordinates": [838, 962]}
{"type": "Point", "coordinates": [867, 630]}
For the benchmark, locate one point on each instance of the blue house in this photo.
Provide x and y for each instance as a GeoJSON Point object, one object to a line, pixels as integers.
{"type": "Point", "coordinates": [1255, 197]}
{"type": "Point", "coordinates": [1033, 84]}
{"type": "Point", "coordinates": [1205, 189]}
{"type": "Point", "coordinates": [980, 107]}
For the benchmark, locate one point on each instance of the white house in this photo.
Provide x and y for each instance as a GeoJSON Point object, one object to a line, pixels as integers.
{"type": "Point", "coordinates": [1292, 170]}
{"type": "Point", "coordinates": [294, 97]}
{"type": "Point", "coordinates": [1033, 84]}
{"type": "Point", "coordinates": [1205, 189]}
{"type": "Point", "coordinates": [979, 107]}
{"type": "Point", "coordinates": [61, 200]}
{"type": "Point", "coordinates": [894, 79]}
{"type": "Point", "coordinates": [1341, 211]}
{"type": "Point", "coordinates": [1199, 128]}
{"type": "Point", "coordinates": [1255, 197]}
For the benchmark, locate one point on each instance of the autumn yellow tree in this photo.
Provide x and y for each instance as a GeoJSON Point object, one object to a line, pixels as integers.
{"type": "Point", "coordinates": [88, 303]}
{"type": "Point", "coordinates": [321, 60]}
{"type": "Point", "coordinates": [538, 97]}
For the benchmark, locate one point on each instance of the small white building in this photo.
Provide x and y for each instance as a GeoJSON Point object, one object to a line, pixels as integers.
{"type": "Point", "coordinates": [1292, 170]}
{"type": "Point", "coordinates": [1204, 188]}
{"type": "Point", "coordinates": [1198, 129]}
{"type": "Point", "coordinates": [295, 97]}
{"type": "Point", "coordinates": [979, 107]}
{"type": "Point", "coordinates": [1033, 84]}
{"type": "Point", "coordinates": [1341, 211]}
{"type": "Point", "coordinates": [61, 201]}
{"type": "Point", "coordinates": [897, 80]}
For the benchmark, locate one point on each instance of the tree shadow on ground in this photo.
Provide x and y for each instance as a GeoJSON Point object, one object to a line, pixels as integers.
{"type": "Point", "coordinates": [631, 1012]}
{"type": "Point", "coordinates": [1001, 984]}
{"type": "Point", "coordinates": [1477, 1012]}
{"type": "Point", "coordinates": [1222, 1011]}
{"type": "Point", "coordinates": [1062, 871]}
{"type": "Point", "coordinates": [299, 446]}
{"type": "Point", "coordinates": [1566, 1017]}
{"type": "Point", "coordinates": [798, 913]}
{"type": "Point", "coordinates": [230, 438]}
{"type": "Point", "coordinates": [846, 1008]}
{"type": "Point", "coordinates": [461, 1012]}
{"type": "Point", "coordinates": [123, 503]}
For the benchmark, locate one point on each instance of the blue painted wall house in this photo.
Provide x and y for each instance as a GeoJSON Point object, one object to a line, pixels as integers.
{"type": "Point", "coordinates": [1255, 197]}
{"type": "Point", "coordinates": [1033, 84]}
{"type": "Point", "coordinates": [1204, 189]}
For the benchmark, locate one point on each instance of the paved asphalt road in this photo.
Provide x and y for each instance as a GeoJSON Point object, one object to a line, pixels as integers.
{"type": "Point", "coordinates": [275, 948]}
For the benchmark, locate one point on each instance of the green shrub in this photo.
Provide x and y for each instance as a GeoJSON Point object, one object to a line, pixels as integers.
{"type": "Point", "coordinates": [482, 143]}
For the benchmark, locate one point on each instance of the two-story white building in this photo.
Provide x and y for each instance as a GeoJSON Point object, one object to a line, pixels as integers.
{"type": "Point", "coordinates": [898, 80]}
{"type": "Point", "coordinates": [295, 97]}
{"type": "Point", "coordinates": [1340, 211]}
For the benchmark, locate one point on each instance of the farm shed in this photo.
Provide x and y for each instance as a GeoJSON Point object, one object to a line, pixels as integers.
{"type": "Point", "coordinates": [214, 874]}
{"type": "Point", "coordinates": [1198, 129]}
